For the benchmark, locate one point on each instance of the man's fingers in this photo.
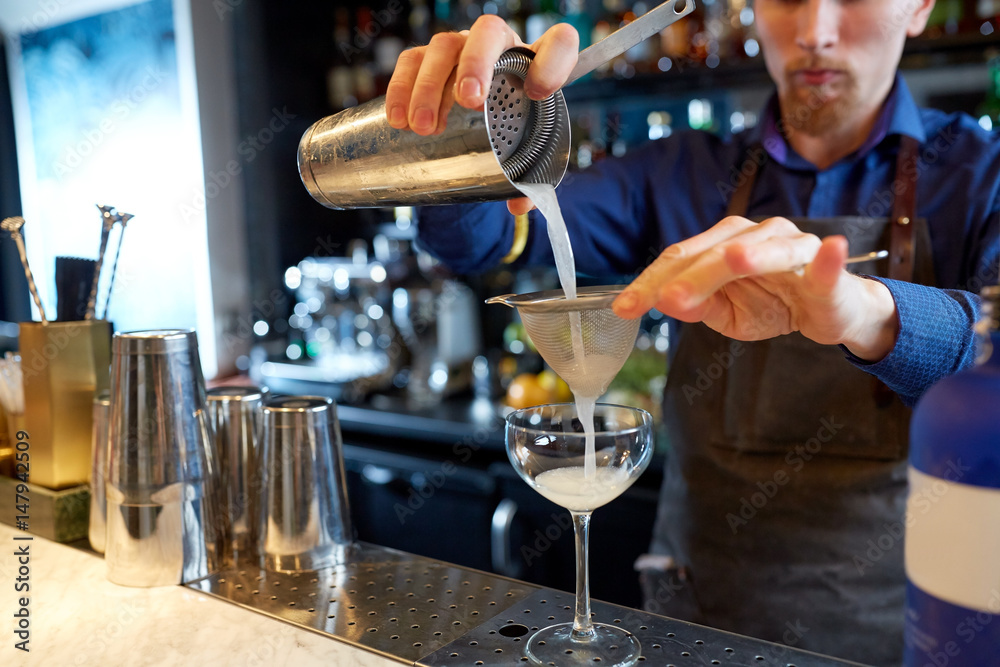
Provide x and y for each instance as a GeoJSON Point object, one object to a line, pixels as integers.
{"type": "Point", "coordinates": [520, 206]}
{"type": "Point", "coordinates": [428, 88]}
{"type": "Point", "coordinates": [488, 38]}
{"type": "Point", "coordinates": [555, 56]}
{"type": "Point", "coordinates": [775, 255]}
{"type": "Point", "coordinates": [644, 291]}
{"type": "Point", "coordinates": [447, 99]}
{"type": "Point", "coordinates": [397, 95]}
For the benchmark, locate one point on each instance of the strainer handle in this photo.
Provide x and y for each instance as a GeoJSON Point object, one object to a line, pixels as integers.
{"type": "Point", "coordinates": [625, 38]}
{"type": "Point", "coordinates": [503, 298]}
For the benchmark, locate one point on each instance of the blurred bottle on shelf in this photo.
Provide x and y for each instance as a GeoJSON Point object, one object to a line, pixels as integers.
{"type": "Point", "coordinates": [989, 111]}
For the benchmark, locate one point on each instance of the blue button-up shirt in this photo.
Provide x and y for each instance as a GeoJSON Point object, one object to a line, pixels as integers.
{"type": "Point", "coordinates": [621, 213]}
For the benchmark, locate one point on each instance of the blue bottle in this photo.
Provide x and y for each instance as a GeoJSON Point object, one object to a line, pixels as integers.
{"type": "Point", "coordinates": [953, 513]}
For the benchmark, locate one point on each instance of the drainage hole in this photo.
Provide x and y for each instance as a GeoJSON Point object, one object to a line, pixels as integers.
{"type": "Point", "coordinates": [685, 654]}
{"type": "Point", "coordinates": [437, 634]}
{"type": "Point", "coordinates": [434, 615]}
{"type": "Point", "coordinates": [656, 646]}
{"type": "Point", "coordinates": [473, 643]}
{"type": "Point", "coordinates": [332, 616]}
{"type": "Point", "coordinates": [255, 592]}
{"type": "Point", "coordinates": [239, 586]}
{"type": "Point", "coordinates": [514, 630]}
{"type": "Point", "coordinates": [699, 642]}
{"type": "Point", "coordinates": [670, 634]}
{"type": "Point", "coordinates": [394, 637]}
{"type": "Point", "coordinates": [372, 613]}
{"type": "Point", "coordinates": [643, 627]}
{"type": "Point", "coordinates": [499, 650]}
{"type": "Point", "coordinates": [372, 629]}
{"type": "Point", "coordinates": [414, 627]}
{"type": "Point", "coordinates": [417, 644]}
{"type": "Point", "coordinates": [291, 604]}
{"type": "Point", "coordinates": [454, 655]}
{"type": "Point", "coordinates": [352, 623]}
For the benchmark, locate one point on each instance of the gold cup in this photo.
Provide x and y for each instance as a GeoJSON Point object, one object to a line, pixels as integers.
{"type": "Point", "coordinates": [64, 364]}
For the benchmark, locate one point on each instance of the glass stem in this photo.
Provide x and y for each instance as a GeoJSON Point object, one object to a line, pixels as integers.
{"type": "Point", "coordinates": [583, 628]}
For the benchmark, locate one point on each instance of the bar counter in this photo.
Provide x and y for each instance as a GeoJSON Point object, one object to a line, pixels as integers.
{"type": "Point", "coordinates": [381, 607]}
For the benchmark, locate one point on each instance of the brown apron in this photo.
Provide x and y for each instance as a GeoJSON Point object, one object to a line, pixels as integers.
{"type": "Point", "coordinates": [785, 484]}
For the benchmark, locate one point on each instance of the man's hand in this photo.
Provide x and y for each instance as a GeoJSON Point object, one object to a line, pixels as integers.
{"type": "Point", "coordinates": [754, 281]}
{"type": "Point", "coordinates": [458, 67]}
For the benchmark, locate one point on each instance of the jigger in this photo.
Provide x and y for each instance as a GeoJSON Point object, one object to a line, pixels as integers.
{"type": "Point", "coordinates": [304, 519]}
{"type": "Point", "coordinates": [161, 487]}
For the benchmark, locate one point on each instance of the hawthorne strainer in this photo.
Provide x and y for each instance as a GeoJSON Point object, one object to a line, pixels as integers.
{"type": "Point", "coordinates": [581, 339]}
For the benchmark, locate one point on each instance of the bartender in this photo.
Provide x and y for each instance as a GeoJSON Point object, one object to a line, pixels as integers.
{"type": "Point", "coordinates": [781, 512]}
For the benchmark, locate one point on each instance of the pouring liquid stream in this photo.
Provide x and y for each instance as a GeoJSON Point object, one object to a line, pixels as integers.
{"type": "Point", "coordinates": [543, 195]}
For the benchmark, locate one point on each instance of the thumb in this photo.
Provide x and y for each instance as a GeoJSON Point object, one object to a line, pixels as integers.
{"type": "Point", "coordinates": [824, 272]}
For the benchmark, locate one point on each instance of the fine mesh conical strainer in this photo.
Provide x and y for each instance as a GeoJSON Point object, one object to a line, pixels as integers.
{"type": "Point", "coordinates": [590, 362]}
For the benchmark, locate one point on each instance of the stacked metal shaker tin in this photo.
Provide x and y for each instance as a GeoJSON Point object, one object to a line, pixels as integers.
{"type": "Point", "coordinates": [188, 481]}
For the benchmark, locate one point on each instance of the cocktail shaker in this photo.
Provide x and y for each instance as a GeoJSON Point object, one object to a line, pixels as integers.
{"type": "Point", "coordinates": [234, 414]}
{"type": "Point", "coordinates": [355, 159]}
{"type": "Point", "coordinates": [161, 488]}
{"type": "Point", "coordinates": [304, 518]}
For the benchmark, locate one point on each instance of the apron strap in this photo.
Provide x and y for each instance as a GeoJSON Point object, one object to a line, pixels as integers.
{"type": "Point", "coordinates": [739, 203]}
{"type": "Point", "coordinates": [904, 208]}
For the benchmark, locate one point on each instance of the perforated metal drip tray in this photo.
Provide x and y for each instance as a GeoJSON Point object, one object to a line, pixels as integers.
{"type": "Point", "coordinates": [421, 611]}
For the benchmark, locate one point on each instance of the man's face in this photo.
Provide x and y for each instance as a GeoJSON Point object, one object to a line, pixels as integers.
{"type": "Point", "coordinates": [833, 61]}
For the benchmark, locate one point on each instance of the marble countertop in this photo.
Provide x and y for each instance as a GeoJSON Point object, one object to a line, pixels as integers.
{"type": "Point", "coordinates": [77, 617]}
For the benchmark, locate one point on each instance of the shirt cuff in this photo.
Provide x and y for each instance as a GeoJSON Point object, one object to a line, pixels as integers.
{"type": "Point", "coordinates": [936, 338]}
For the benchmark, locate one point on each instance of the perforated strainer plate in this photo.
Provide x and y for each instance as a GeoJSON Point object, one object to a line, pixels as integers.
{"type": "Point", "coordinates": [420, 611]}
{"type": "Point", "coordinates": [509, 112]}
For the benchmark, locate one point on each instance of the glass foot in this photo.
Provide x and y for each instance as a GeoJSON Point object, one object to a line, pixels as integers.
{"type": "Point", "coordinates": [609, 647]}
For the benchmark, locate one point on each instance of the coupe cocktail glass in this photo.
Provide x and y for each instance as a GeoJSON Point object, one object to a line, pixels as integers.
{"type": "Point", "coordinates": [547, 446]}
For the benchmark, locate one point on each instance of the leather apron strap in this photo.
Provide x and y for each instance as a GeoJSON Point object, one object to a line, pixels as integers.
{"type": "Point", "coordinates": [904, 207]}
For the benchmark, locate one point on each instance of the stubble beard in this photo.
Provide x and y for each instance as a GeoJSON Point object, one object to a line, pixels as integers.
{"type": "Point", "coordinates": [819, 110]}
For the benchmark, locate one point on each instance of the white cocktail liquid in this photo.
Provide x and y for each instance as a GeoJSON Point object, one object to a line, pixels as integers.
{"type": "Point", "coordinates": [577, 491]}
{"type": "Point", "coordinates": [544, 197]}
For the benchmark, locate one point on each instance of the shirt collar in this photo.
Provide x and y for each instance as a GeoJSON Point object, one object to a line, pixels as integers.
{"type": "Point", "coordinates": [899, 115]}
